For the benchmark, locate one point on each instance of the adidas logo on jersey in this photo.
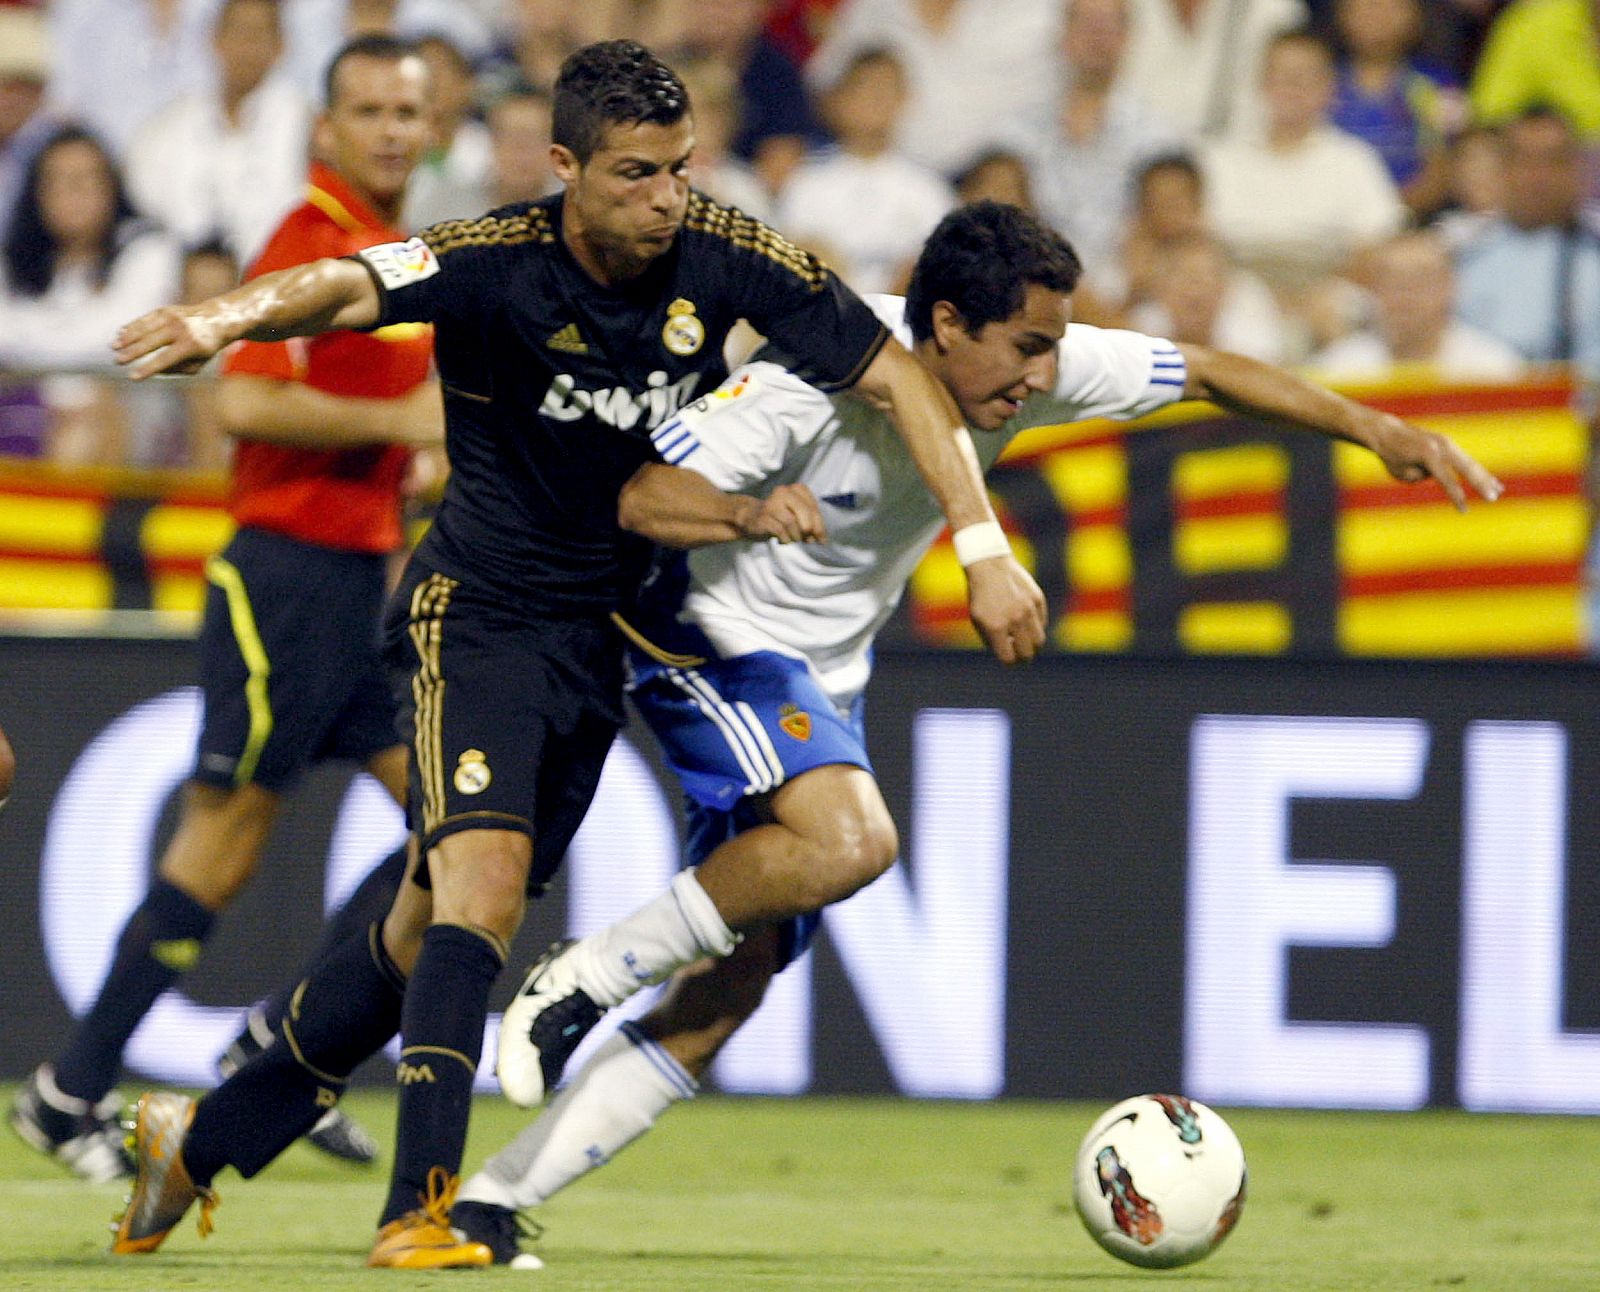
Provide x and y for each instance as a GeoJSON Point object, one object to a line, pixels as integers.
{"type": "Point", "coordinates": [568, 341]}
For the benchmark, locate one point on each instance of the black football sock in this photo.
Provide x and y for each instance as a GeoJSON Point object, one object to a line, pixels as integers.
{"type": "Point", "coordinates": [365, 907]}
{"type": "Point", "coordinates": [342, 1014]}
{"type": "Point", "coordinates": [160, 942]}
{"type": "Point", "coordinates": [441, 1039]}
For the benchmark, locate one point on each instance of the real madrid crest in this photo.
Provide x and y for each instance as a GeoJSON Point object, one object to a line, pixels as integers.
{"type": "Point", "coordinates": [683, 333]}
{"type": "Point", "coordinates": [472, 772]}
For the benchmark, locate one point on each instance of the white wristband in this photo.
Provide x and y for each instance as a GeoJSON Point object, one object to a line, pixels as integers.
{"type": "Point", "coordinates": [980, 542]}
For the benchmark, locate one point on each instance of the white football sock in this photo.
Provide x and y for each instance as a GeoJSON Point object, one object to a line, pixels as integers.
{"type": "Point", "coordinates": [676, 929]}
{"type": "Point", "coordinates": [615, 1099]}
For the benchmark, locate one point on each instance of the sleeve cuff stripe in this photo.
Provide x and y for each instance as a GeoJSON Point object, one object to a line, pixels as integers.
{"type": "Point", "coordinates": [669, 443]}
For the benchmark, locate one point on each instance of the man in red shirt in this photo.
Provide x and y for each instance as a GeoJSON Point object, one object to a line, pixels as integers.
{"type": "Point", "coordinates": [289, 662]}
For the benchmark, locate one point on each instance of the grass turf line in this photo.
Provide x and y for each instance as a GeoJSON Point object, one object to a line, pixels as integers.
{"type": "Point", "coordinates": [887, 1194]}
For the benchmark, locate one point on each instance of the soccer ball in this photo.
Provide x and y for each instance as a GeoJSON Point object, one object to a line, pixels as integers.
{"type": "Point", "coordinates": [1159, 1180]}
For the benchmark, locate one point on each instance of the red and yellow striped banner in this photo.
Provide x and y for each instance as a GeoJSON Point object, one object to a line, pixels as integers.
{"type": "Point", "coordinates": [1232, 542]}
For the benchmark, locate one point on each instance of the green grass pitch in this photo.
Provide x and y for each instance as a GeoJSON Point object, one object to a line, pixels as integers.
{"type": "Point", "coordinates": [867, 1194]}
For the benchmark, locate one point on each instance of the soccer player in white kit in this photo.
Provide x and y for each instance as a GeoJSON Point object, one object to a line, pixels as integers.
{"type": "Point", "coordinates": [749, 659]}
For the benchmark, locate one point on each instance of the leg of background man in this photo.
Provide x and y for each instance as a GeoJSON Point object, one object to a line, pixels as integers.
{"type": "Point", "coordinates": [214, 851]}
{"type": "Point", "coordinates": [66, 1108]}
{"type": "Point", "coordinates": [480, 882]}
{"type": "Point", "coordinates": [631, 1080]}
{"type": "Point", "coordinates": [832, 834]}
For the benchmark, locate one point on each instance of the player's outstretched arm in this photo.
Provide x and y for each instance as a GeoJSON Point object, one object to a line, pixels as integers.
{"type": "Point", "coordinates": [1409, 452]}
{"type": "Point", "coordinates": [300, 301]}
{"type": "Point", "coordinates": [1004, 602]}
{"type": "Point", "coordinates": [681, 508]}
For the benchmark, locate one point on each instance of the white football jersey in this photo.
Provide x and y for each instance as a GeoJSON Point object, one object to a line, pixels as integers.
{"type": "Point", "coordinates": [824, 602]}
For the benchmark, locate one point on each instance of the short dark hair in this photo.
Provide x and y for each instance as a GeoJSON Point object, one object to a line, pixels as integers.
{"type": "Point", "coordinates": [1542, 112]}
{"type": "Point", "coordinates": [390, 49]}
{"type": "Point", "coordinates": [228, 6]}
{"type": "Point", "coordinates": [1179, 160]}
{"type": "Point", "coordinates": [981, 259]}
{"type": "Point", "coordinates": [613, 82]}
{"type": "Point", "coordinates": [1302, 35]}
{"type": "Point", "coordinates": [869, 56]}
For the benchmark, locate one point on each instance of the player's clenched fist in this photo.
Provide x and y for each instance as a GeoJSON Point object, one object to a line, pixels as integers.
{"type": "Point", "coordinates": [789, 514]}
{"type": "Point", "coordinates": [1007, 608]}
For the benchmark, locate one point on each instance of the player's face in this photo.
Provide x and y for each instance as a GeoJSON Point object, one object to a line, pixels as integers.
{"type": "Point", "coordinates": [377, 125]}
{"type": "Point", "coordinates": [992, 371]}
{"type": "Point", "coordinates": [626, 204]}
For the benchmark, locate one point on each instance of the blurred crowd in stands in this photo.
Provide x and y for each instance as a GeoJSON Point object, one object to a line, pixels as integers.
{"type": "Point", "coordinates": [1356, 186]}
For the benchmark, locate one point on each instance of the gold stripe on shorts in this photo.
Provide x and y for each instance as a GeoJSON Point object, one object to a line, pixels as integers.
{"type": "Point", "coordinates": [428, 604]}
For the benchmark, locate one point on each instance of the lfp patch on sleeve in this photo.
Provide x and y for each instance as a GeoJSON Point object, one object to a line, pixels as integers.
{"type": "Point", "coordinates": [399, 263]}
{"type": "Point", "coordinates": [728, 395]}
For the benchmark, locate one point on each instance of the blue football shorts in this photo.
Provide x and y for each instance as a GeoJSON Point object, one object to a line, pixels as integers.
{"type": "Point", "coordinates": [733, 731]}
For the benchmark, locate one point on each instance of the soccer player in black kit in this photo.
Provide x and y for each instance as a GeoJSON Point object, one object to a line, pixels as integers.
{"type": "Point", "coordinates": [566, 330]}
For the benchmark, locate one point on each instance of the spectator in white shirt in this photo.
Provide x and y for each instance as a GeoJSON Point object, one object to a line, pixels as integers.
{"type": "Point", "coordinates": [119, 62]}
{"type": "Point", "coordinates": [1202, 299]}
{"type": "Point", "coordinates": [316, 29]}
{"type": "Point", "coordinates": [519, 148]}
{"type": "Point", "coordinates": [1196, 63]}
{"type": "Point", "coordinates": [1299, 204]}
{"type": "Point", "coordinates": [1168, 208]}
{"type": "Point", "coordinates": [453, 179]}
{"type": "Point", "coordinates": [1414, 330]}
{"type": "Point", "coordinates": [974, 67]}
{"type": "Point", "coordinates": [228, 162]}
{"type": "Point", "coordinates": [863, 202]}
{"type": "Point", "coordinates": [1085, 158]}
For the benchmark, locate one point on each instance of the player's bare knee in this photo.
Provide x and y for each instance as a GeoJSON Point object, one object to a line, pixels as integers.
{"type": "Point", "coordinates": [217, 846]}
{"type": "Point", "coordinates": [480, 878]}
{"type": "Point", "coordinates": [861, 846]}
